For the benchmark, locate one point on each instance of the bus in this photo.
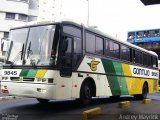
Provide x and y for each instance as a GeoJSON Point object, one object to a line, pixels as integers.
{"type": "Point", "coordinates": [66, 60]}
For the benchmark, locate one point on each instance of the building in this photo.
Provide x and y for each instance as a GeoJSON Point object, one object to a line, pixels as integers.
{"type": "Point", "coordinates": [49, 10]}
{"type": "Point", "coordinates": [14, 12]}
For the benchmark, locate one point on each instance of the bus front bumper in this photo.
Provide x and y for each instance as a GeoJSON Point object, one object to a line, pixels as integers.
{"type": "Point", "coordinates": [36, 90]}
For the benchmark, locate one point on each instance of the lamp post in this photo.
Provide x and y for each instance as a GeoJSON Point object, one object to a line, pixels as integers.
{"type": "Point", "coordinates": [88, 14]}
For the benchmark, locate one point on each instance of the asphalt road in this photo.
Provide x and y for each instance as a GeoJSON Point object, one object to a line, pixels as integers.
{"type": "Point", "coordinates": [30, 109]}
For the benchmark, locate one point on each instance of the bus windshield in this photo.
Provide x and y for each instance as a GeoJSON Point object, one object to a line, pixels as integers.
{"type": "Point", "coordinates": [33, 45]}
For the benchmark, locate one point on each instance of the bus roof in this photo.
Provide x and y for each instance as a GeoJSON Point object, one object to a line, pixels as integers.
{"type": "Point", "coordinates": [35, 23]}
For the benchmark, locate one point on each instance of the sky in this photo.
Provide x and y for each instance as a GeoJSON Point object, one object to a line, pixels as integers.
{"type": "Point", "coordinates": [114, 17]}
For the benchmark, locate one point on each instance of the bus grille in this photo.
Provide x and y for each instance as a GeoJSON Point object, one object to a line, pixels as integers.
{"type": "Point", "coordinates": [22, 79]}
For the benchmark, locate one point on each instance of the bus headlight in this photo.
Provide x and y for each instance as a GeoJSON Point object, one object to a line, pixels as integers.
{"type": "Point", "coordinates": [41, 90]}
{"type": "Point", "coordinates": [44, 79]}
{"type": "Point", "coordinates": [39, 80]}
{"type": "Point", "coordinates": [50, 80]}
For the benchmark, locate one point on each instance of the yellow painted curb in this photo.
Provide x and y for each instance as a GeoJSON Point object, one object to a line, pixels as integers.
{"type": "Point", "coordinates": [125, 104]}
{"type": "Point", "coordinates": [146, 101]}
{"type": "Point", "coordinates": [91, 113]}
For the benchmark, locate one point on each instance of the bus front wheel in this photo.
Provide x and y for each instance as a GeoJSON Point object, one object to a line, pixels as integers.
{"type": "Point", "coordinates": [86, 93]}
{"type": "Point", "coordinates": [43, 101]}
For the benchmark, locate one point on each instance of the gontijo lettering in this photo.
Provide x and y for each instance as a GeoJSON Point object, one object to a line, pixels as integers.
{"type": "Point", "coordinates": [141, 71]}
{"type": "Point", "coordinates": [145, 72]}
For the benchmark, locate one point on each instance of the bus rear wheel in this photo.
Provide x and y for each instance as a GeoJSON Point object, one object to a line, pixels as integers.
{"type": "Point", "coordinates": [43, 101]}
{"type": "Point", "coordinates": [86, 93]}
{"type": "Point", "coordinates": [144, 93]}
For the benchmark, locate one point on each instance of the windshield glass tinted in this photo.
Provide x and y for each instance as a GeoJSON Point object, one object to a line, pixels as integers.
{"type": "Point", "coordinates": [18, 38]}
{"type": "Point", "coordinates": [39, 45]}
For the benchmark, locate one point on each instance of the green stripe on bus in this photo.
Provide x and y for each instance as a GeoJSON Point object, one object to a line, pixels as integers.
{"type": "Point", "coordinates": [121, 78]}
{"type": "Point", "coordinates": [112, 79]}
{"type": "Point", "coordinates": [24, 73]}
{"type": "Point", "coordinates": [32, 73]}
{"type": "Point", "coordinates": [115, 77]}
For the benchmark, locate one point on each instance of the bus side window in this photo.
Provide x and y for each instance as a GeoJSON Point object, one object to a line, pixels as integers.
{"type": "Point", "coordinates": [145, 59]}
{"type": "Point", "coordinates": [114, 49]}
{"type": "Point", "coordinates": [149, 60]}
{"type": "Point", "coordinates": [106, 50]}
{"type": "Point", "coordinates": [134, 56]}
{"type": "Point", "coordinates": [90, 42]}
{"type": "Point", "coordinates": [131, 55]}
{"type": "Point", "coordinates": [75, 33]}
{"type": "Point", "coordinates": [99, 45]}
{"type": "Point", "coordinates": [77, 51]}
{"type": "Point", "coordinates": [67, 52]}
{"type": "Point", "coordinates": [125, 53]}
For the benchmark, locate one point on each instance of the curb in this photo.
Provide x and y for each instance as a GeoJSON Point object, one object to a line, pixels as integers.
{"type": "Point", "coordinates": [147, 101]}
{"type": "Point", "coordinates": [91, 113]}
{"type": "Point", "coordinates": [124, 104]}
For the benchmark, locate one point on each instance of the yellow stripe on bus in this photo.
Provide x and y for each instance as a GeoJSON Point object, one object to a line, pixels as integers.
{"type": "Point", "coordinates": [135, 85]}
{"type": "Point", "coordinates": [126, 70]}
{"type": "Point", "coordinates": [41, 73]}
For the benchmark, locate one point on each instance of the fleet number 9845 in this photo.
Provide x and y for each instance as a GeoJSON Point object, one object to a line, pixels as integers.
{"type": "Point", "coordinates": [10, 72]}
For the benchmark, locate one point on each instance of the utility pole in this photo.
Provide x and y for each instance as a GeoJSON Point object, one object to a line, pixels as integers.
{"type": "Point", "coordinates": [88, 14]}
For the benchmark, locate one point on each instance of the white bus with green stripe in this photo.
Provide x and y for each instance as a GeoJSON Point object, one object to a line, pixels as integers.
{"type": "Point", "coordinates": [66, 60]}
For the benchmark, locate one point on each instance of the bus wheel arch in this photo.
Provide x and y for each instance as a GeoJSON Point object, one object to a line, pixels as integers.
{"type": "Point", "coordinates": [87, 90]}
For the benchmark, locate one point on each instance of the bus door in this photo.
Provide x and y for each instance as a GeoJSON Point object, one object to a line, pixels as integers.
{"type": "Point", "coordinates": [66, 56]}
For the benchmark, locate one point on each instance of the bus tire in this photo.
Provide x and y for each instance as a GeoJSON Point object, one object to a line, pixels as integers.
{"type": "Point", "coordinates": [86, 93]}
{"type": "Point", "coordinates": [42, 101]}
{"type": "Point", "coordinates": [144, 93]}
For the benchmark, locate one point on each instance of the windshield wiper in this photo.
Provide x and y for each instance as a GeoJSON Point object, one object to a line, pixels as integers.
{"type": "Point", "coordinates": [20, 54]}
{"type": "Point", "coordinates": [16, 58]}
{"type": "Point", "coordinates": [29, 51]}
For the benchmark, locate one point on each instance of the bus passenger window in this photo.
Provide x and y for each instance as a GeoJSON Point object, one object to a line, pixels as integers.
{"type": "Point", "coordinates": [90, 43]}
{"type": "Point", "coordinates": [131, 57]}
{"type": "Point", "coordinates": [149, 60]}
{"type": "Point", "coordinates": [67, 52]}
{"type": "Point", "coordinates": [145, 59]}
{"type": "Point", "coordinates": [114, 49]}
{"type": "Point", "coordinates": [125, 53]}
{"type": "Point", "coordinates": [138, 57]}
{"type": "Point", "coordinates": [99, 45]}
{"type": "Point", "coordinates": [134, 57]}
{"type": "Point", "coordinates": [77, 51]}
{"type": "Point", "coordinates": [106, 51]}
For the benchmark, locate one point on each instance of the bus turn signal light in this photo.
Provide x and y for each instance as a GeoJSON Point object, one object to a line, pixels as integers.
{"type": "Point", "coordinates": [50, 80]}
{"type": "Point", "coordinates": [4, 90]}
